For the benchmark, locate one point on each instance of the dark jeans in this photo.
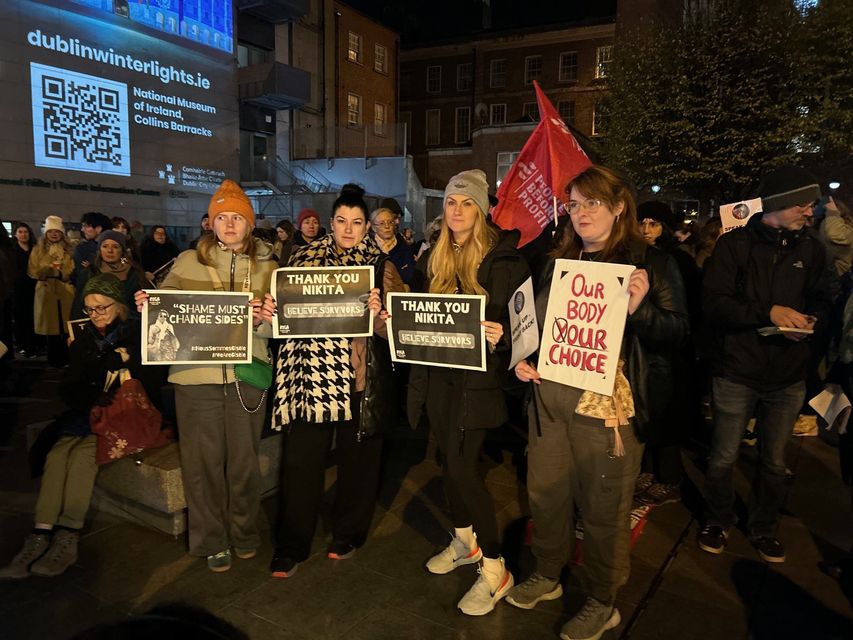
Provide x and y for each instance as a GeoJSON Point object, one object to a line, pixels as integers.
{"type": "Point", "coordinates": [303, 469]}
{"type": "Point", "coordinates": [776, 412]}
{"type": "Point", "coordinates": [572, 463]}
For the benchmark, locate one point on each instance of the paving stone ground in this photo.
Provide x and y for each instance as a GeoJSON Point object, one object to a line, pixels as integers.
{"type": "Point", "coordinates": [675, 590]}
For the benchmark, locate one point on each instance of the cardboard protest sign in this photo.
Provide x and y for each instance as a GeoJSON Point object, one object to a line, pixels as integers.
{"type": "Point", "coordinates": [442, 330]}
{"type": "Point", "coordinates": [322, 302]}
{"type": "Point", "coordinates": [194, 327]}
{"type": "Point", "coordinates": [737, 214]}
{"type": "Point", "coordinates": [523, 327]}
{"type": "Point", "coordinates": [584, 323]}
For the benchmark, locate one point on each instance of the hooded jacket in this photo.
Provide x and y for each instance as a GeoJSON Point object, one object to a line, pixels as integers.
{"type": "Point", "coordinates": [751, 270]}
{"type": "Point", "coordinates": [188, 274]}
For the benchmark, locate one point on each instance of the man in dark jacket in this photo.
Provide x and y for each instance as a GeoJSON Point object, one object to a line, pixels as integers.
{"type": "Point", "coordinates": [91, 226]}
{"type": "Point", "coordinates": [770, 273]}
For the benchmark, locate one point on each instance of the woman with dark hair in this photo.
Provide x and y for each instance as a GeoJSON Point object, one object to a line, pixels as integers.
{"type": "Point", "coordinates": [112, 257]}
{"type": "Point", "coordinates": [220, 419]}
{"type": "Point", "coordinates": [583, 446]}
{"type": "Point", "coordinates": [333, 390]}
{"type": "Point", "coordinates": [24, 293]}
{"type": "Point", "coordinates": [123, 226]}
{"type": "Point", "coordinates": [285, 234]}
{"type": "Point", "coordinates": [308, 227]}
{"type": "Point", "coordinates": [108, 342]}
{"type": "Point", "coordinates": [51, 265]}
{"type": "Point", "coordinates": [470, 256]}
{"type": "Point", "coordinates": [157, 251]}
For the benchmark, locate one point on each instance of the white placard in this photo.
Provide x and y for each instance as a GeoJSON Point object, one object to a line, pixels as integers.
{"type": "Point", "coordinates": [737, 214]}
{"type": "Point", "coordinates": [584, 323]}
{"type": "Point", "coordinates": [524, 330]}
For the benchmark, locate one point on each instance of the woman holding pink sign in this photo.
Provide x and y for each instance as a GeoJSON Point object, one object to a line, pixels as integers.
{"type": "Point", "coordinates": [583, 446]}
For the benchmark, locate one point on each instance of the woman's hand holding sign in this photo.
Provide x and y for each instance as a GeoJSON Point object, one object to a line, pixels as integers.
{"type": "Point", "coordinates": [638, 287]}
{"type": "Point", "coordinates": [141, 299]}
{"type": "Point", "coordinates": [526, 372]}
{"type": "Point", "coordinates": [267, 309]}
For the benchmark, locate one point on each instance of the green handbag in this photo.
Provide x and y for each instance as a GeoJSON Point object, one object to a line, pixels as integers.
{"type": "Point", "coordinates": [256, 373]}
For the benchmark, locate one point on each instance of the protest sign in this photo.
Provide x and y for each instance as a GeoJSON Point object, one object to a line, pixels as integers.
{"type": "Point", "coordinates": [584, 323]}
{"type": "Point", "coordinates": [442, 330]}
{"type": "Point", "coordinates": [524, 330]}
{"type": "Point", "coordinates": [737, 214]}
{"type": "Point", "coordinates": [74, 327]}
{"type": "Point", "coordinates": [195, 327]}
{"type": "Point", "coordinates": [322, 302]}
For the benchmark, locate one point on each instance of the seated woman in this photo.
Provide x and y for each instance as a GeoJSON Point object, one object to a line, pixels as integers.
{"type": "Point", "coordinates": [108, 342]}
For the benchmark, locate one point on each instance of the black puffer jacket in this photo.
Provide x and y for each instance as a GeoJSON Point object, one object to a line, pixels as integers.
{"type": "Point", "coordinates": [653, 332]}
{"type": "Point", "coordinates": [483, 405]}
{"type": "Point", "coordinates": [751, 270]}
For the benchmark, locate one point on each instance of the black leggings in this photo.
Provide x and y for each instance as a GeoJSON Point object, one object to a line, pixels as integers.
{"type": "Point", "coordinates": [470, 501]}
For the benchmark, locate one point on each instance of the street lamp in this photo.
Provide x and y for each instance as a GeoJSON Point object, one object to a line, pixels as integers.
{"type": "Point", "coordinates": [655, 188]}
{"type": "Point", "coordinates": [834, 185]}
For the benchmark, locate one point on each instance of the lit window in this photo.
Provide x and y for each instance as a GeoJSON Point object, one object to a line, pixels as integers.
{"type": "Point", "coordinates": [380, 58]}
{"type": "Point", "coordinates": [380, 118]}
{"type": "Point", "coordinates": [532, 69]}
{"type": "Point", "coordinates": [568, 66]}
{"type": "Point", "coordinates": [463, 124]}
{"type": "Point", "coordinates": [433, 126]}
{"type": "Point", "coordinates": [497, 114]}
{"type": "Point", "coordinates": [566, 109]}
{"type": "Point", "coordinates": [505, 161]}
{"type": "Point", "coordinates": [434, 79]}
{"type": "Point", "coordinates": [354, 50]}
{"type": "Point", "coordinates": [497, 73]}
{"type": "Point", "coordinates": [599, 119]}
{"type": "Point", "coordinates": [464, 77]}
{"type": "Point", "coordinates": [353, 109]}
{"type": "Point", "coordinates": [603, 58]}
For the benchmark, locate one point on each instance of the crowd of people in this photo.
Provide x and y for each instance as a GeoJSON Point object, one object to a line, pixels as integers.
{"type": "Point", "coordinates": [744, 319]}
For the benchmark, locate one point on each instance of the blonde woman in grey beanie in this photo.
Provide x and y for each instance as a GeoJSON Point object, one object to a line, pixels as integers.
{"type": "Point", "coordinates": [470, 256]}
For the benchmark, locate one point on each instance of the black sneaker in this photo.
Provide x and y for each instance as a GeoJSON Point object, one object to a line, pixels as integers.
{"type": "Point", "coordinates": [340, 550]}
{"type": "Point", "coordinates": [283, 566]}
{"type": "Point", "coordinates": [712, 539]}
{"type": "Point", "coordinates": [769, 548]}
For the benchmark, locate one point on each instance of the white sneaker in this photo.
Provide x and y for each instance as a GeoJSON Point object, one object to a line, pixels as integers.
{"type": "Point", "coordinates": [456, 554]}
{"type": "Point", "coordinates": [486, 592]}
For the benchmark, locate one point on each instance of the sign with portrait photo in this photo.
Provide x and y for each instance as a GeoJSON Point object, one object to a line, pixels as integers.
{"type": "Point", "coordinates": [737, 214]}
{"type": "Point", "coordinates": [441, 330]}
{"type": "Point", "coordinates": [322, 302]}
{"type": "Point", "coordinates": [524, 330]}
{"type": "Point", "coordinates": [195, 327]}
{"type": "Point", "coordinates": [584, 323]}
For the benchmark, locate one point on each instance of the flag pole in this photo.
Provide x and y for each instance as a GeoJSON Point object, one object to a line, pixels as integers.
{"type": "Point", "coordinates": [554, 197]}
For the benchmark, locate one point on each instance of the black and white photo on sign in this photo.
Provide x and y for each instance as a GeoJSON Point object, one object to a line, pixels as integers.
{"type": "Point", "coordinates": [322, 302]}
{"type": "Point", "coordinates": [524, 330]}
{"type": "Point", "coordinates": [737, 214]}
{"type": "Point", "coordinates": [195, 327]}
{"type": "Point", "coordinates": [584, 323]}
{"type": "Point", "coordinates": [441, 330]}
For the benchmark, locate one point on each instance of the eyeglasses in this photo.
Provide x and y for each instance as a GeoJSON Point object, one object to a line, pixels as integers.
{"type": "Point", "coordinates": [590, 205]}
{"type": "Point", "coordinates": [98, 311]}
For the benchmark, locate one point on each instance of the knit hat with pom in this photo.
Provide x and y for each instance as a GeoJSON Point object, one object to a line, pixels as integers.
{"type": "Point", "coordinates": [230, 197]}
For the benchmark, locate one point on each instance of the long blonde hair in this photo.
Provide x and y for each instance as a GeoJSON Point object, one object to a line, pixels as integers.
{"type": "Point", "coordinates": [448, 267]}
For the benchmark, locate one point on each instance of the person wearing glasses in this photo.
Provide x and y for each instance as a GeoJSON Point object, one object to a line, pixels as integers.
{"type": "Point", "coordinates": [108, 342]}
{"type": "Point", "coordinates": [470, 256]}
{"type": "Point", "coordinates": [771, 272]}
{"type": "Point", "coordinates": [220, 423]}
{"type": "Point", "coordinates": [384, 222]}
{"type": "Point", "coordinates": [583, 446]}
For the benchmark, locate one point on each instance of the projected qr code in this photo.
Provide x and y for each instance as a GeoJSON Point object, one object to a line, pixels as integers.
{"type": "Point", "coordinates": [79, 121]}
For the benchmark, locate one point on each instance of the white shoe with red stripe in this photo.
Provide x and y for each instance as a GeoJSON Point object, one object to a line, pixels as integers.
{"type": "Point", "coordinates": [456, 554]}
{"type": "Point", "coordinates": [493, 584]}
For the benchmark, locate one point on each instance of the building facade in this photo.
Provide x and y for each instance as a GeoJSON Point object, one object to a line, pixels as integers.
{"type": "Point", "coordinates": [472, 103]}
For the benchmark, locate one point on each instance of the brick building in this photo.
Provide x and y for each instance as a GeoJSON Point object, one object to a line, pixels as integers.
{"type": "Point", "coordinates": [470, 102]}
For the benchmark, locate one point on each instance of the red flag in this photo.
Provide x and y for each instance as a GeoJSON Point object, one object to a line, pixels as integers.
{"type": "Point", "coordinates": [551, 157]}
